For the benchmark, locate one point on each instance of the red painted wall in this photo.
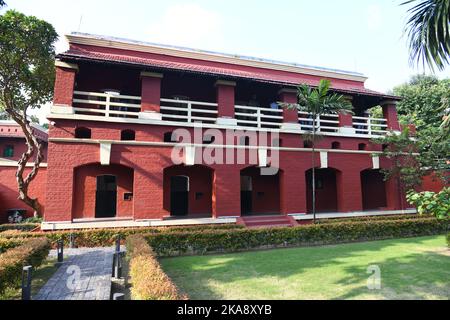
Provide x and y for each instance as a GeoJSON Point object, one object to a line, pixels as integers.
{"type": "Point", "coordinates": [373, 190]}
{"type": "Point", "coordinates": [9, 193]}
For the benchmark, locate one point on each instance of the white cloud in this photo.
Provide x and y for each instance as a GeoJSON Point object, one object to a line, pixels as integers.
{"type": "Point", "coordinates": [187, 25]}
{"type": "Point", "coordinates": [374, 17]}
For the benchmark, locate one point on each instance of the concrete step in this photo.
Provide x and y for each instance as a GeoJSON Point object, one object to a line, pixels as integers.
{"type": "Point", "coordinates": [268, 221]}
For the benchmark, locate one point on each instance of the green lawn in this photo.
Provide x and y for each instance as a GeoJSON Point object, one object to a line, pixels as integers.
{"type": "Point", "coordinates": [414, 268]}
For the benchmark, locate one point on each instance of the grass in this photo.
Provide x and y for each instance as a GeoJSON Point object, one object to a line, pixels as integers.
{"type": "Point", "coordinates": [413, 268]}
{"type": "Point", "coordinates": [40, 277]}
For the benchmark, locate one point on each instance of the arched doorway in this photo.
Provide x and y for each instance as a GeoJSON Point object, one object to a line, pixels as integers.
{"type": "Point", "coordinates": [373, 189]}
{"type": "Point", "coordinates": [188, 191]}
{"type": "Point", "coordinates": [179, 195]}
{"type": "Point", "coordinates": [103, 191]}
{"type": "Point", "coordinates": [326, 190]}
{"type": "Point", "coordinates": [260, 194]}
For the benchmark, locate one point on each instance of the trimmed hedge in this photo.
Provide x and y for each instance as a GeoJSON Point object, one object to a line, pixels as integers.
{"type": "Point", "coordinates": [6, 244]}
{"type": "Point", "coordinates": [19, 226]}
{"type": "Point", "coordinates": [182, 243]}
{"type": "Point", "coordinates": [376, 218]}
{"type": "Point", "coordinates": [149, 281]}
{"type": "Point", "coordinates": [448, 240]}
{"type": "Point", "coordinates": [31, 252]}
{"type": "Point", "coordinates": [107, 237]}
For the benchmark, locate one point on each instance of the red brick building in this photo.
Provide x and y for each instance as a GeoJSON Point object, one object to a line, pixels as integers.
{"type": "Point", "coordinates": [12, 146]}
{"type": "Point", "coordinates": [118, 102]}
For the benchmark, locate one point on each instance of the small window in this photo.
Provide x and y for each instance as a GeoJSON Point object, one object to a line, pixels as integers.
{"type": "Point", "coordinates": [128, 196]}
{"type": "Point", "coordinates": [82, 133]}
{"type": "Point", "coordinates": [385, 147]}
{"type": "Point", "coordinates": [8, 151]}
{"type": "Point", "coordinates": [307, 144]}
{"type": "Point", "coordinates": [170, 137]}
{"type": "Point", "coordinates": [198, 195]}
{"type": "Point", "coordinates": [208, 139]}
{"type": "Point", "coordinates": [362, 146]}
{"type": "Point", "coordinates": [336, 145]}
{"type": "Point", "coordinates": [127, 135]}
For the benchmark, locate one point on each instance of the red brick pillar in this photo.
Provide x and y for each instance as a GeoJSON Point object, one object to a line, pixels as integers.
{"type": "Point", "coordinates": [148, 189]}
{"type": "Point", "coordinates": [393, 194]}
{"type": "Point", "coordinates": [346, 120]}
{"type": "Point", "coordinates": [293, 190]}
{"type": "Point", "coordinates": [64, 83]}
{"type": "Point", "coordinates": [225, 102]}
{"type": "Point", "coordinates": [150, 95]}
{"type": "Point", "coordinates": [349, 194]}
{"type": "Point", "coordinates": [290, 116]}
{"type": "Point", "coordinates": [227, 191]}
{"type": "Point", "coordinates": [58, 203]}
{"type": "Point", "coordinates": [390, 114]}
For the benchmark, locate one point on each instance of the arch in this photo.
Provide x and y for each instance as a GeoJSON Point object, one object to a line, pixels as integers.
{"type": "Point", "coordinates": [83, 133]}
{"type": "Point", "coordinates": [127, 135]}
{"type": "Point", "coordinates": [373, 189]}
{"type": "Point", "coordinates": [362, 146]}
{"type": "Point", "coordinates": [326, 189]}
{"type": "Point", "coordinates": [335, 145]}
{"type": "Point", "coordinates": [170, 137]}
{"type": "Point", "coordinates": [188, 190]}
{"type": "Point", "coordinates": [103, 191]}
{"type": "Point", "coordinates": [260, 194]}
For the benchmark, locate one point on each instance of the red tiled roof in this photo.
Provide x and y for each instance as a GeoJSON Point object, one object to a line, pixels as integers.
{"type": "Point", "coordinates": [286, 78]}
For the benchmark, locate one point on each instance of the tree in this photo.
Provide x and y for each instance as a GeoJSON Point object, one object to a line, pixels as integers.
{"type": "Point", "coordinates": [2, 3]}
{"type": "Point", "coordinates": [318, 101]}
{"type": "Point", "coordinates": [424, 101]}
{"type": "Point", "coordinates": [428, 30]}
{"type": "Point", "coordinates": [26, 81]}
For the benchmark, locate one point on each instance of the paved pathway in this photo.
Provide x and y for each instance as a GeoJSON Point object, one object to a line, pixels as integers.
{"type": "Point", "coordinates": [84, 275]}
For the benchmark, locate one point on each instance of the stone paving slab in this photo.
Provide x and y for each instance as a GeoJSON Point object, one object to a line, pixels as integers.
{"type": "Point", "coordinates": [84, 275]}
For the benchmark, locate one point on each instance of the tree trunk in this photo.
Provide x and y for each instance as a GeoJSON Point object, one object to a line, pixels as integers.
{"type": "Point", "coordinates": [34, 147]}
{"type": "Point", "coordinates": [314, 169]}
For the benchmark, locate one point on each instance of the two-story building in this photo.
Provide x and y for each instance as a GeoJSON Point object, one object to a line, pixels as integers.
{"type": "Point", "coordinates": [120, 110]}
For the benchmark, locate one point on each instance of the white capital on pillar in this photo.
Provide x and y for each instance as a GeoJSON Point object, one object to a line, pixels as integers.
{"type": "Point", "coordinates": [324, 160]}
{"type": "Point", "coordinates": [262, 158]}
{"type": "Point", "coordinates": [105, 153]}
{"type": "Point", "coordinates": [376, 162]}
{"type": "Point", "coordinates": [189, 155]}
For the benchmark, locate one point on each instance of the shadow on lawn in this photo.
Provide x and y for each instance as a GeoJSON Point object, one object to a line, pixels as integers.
{"type": "Point", "coordinates": [416, 275]}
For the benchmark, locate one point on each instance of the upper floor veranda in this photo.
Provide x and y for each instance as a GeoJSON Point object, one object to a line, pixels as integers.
{"type": "Point", "coordinates": [122, 81]}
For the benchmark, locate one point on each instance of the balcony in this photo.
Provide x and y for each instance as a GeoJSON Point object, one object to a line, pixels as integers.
{"type": "Point", "coordinates": [113, 105]}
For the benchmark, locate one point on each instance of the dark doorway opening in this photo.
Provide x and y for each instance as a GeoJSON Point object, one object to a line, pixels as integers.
{"type": "Point", "coordinates": [246, 195]}
{"type": "Point", "coordinates": [373, 190]}
{"type": "Point", "coordinates": [106, 197]}
{"type": "Point", "coordinates": [179, 196]}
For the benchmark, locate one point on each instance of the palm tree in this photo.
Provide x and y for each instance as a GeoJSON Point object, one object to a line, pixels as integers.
{"type": "Point", "coordinates": [428, 31]}
{"type": "Point", "coordinates": [318, 101]}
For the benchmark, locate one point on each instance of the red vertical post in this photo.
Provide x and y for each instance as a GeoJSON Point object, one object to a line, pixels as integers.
{"type": "Point", "coordinates": [64, 83]}
{"type": "Point", "coordinates": [225, 102]}
{"type": "Point", "coordinates": [290, 115]}
{"type": "Point", "coordinates": [150, 95]}
{"type": "Point", "coordinates": [390, 114]}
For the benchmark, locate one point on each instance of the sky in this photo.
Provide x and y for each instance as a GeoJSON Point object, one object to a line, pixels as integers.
{"type": "Point", "coordinates": [366, 36]}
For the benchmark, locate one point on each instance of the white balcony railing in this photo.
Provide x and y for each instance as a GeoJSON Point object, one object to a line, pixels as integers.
{"type": "Point", "coordinates": [324, 123]}
{"type": "Point", "coordinates": [370, 126]}
{"type": "Point", "coordinates": [188, 111]}
{"type": "Point", "coordinates": [114, 105]}
{"type": "Point", "coordinates": [258, 117]}
{"type": "Point", "coordinates": [106, 104]}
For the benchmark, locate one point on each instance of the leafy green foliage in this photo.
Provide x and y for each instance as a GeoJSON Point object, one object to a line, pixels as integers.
{"type": "Point", "coordinates": [427, 202]}
{"type": "Point", "coordinates": [429, 32]}
{"type": "Point", "coordinates": [182, 243]}
{"type": "Point", "coordinates": [424, 101]}
{"type": "Point", "coordinates": [405, 164]}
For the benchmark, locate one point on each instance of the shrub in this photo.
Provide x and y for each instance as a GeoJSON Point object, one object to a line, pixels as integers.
{"type": "Point", "coordinates": [107, 237]}
{"type": "Point", "coordinates": [6, 244]}
{"type": "Point", "coordinates": [448, 240]}
{"type": "Point", "coordinates": [427, 202]}
{"type": "Point", "coordinates": [19, 226]}
{"type": "Point", "coordinates": [375, 218]}
{"type": "Point", "coordinates": [149, 282]}
{"type": "Point", "coordinates": [180, 243]}
{"type": "Point", "coordinates": [31, 252]}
